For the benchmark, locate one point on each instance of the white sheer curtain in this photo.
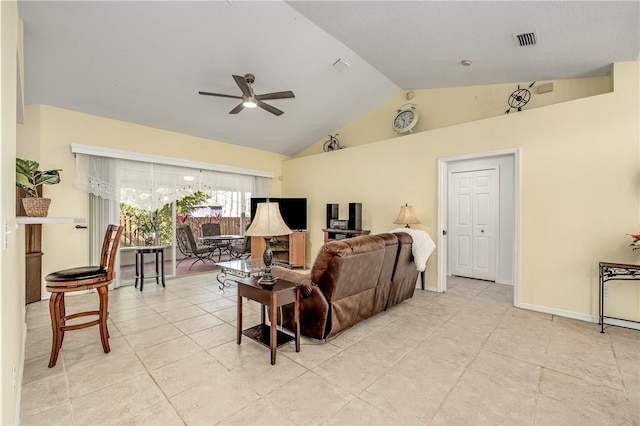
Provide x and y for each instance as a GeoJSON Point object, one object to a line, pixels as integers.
{"type": "Point", "coordinates": [149, 186]}
{"type": "Point", "coordinates": [102, 212]}
{"type": "Point", "coordinates": [98, 177]}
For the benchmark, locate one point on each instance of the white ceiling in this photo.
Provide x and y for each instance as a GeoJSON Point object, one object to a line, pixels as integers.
{"type": "Point", "coordinates": [144, 62]}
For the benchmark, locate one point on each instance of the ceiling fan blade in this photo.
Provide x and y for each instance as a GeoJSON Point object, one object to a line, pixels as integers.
{"type": "Point", "coordinates": [220, 95]}
{"type": "Point", "coordinates": [276, 95]}
{"type": "Point", "coordinates": [237, 109]}
{"type": "Point", "coordinates": [272, 110]}
{"type": "Point", "coordinates": [244, 86]}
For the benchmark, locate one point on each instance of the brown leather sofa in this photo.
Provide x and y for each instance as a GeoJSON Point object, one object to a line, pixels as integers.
{"type": "Point", "coordinates": [351, 280]}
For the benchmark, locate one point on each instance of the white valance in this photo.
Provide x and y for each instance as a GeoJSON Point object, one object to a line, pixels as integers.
{"type": "Point", "coordinates": [150, 186]}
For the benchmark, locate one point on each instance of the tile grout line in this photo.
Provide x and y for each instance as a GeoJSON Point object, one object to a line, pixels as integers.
{"type": "Point", "coordinates": [466, 367]}
{"type": "Point", "coordinates": [534, 412]}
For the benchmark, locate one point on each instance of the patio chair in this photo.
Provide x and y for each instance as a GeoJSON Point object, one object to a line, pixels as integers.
{"type": "Point", "coordinates": [241, 250]}
{"type": "Point", "coordinates": [210, 229]}
{"type": "Point", "coordinates": [190, 249]}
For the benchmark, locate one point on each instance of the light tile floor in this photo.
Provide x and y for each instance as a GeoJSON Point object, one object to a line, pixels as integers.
{"type": "Point", "coordinates": [463, 357]}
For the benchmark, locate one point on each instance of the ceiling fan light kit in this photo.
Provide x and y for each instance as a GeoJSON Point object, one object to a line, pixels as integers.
{"type": "Point", "coordinates": [251, 100]}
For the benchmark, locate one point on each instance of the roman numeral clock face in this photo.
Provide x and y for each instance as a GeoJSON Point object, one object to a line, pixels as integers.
{"type": "Point", "coordinates": [405, 119]}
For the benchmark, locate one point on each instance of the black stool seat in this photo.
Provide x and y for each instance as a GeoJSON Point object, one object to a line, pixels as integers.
{"type": "Point", "coordinates": [78, 273]}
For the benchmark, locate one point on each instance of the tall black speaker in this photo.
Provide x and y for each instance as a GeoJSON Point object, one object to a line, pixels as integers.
{"type": "Point", "coordinates": [332, 213]}
{"type": "Point", "coordinates": [355, 216]}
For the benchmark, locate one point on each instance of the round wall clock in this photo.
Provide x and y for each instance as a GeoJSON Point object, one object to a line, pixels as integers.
{"type": "Point", "coordinates": [405, 119]}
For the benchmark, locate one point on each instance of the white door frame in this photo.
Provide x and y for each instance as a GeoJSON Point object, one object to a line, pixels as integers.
{"type": "Point", "coordinates": [443, 214]}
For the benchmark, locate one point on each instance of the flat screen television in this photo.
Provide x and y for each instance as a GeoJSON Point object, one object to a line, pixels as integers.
{"type": "Point", "coordinates": [293, 211]}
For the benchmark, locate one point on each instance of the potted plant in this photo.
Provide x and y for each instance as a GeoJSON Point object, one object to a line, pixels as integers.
{"type": "Point", "coordinates": [29, 178]}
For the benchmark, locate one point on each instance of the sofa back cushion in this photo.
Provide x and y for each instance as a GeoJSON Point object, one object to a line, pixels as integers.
{"type": "Point", "coordinates": [346, 267]}
{"type": "Point", "coordinates": [386, 272]}
{"type": "Point", "coordinates": [405, 275]}
{"type": "Point", "coordinates": [347, 273]}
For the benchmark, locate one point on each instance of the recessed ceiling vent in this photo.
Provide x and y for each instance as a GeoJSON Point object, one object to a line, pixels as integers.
{"type": "Point", "coordinates": [341, 64]}
{"type": "Point", "coordinates": [526, 39]}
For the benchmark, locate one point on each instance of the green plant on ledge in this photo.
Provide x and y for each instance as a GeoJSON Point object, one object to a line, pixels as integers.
{"type": "Point", "coordinates": [29, 178]}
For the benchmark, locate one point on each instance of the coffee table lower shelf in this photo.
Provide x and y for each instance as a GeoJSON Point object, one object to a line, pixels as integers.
{"type": "Point", "coordinates": [261, 333]}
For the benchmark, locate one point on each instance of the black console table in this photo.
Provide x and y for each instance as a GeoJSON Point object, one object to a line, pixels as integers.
{"type": "Point", "coordinates": [618, 272]}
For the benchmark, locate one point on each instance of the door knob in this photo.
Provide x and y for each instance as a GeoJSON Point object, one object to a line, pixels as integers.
{"type": "Point", "coordinates": [482, 231]}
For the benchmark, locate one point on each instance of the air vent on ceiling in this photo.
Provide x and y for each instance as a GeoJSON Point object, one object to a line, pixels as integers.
{"type": "Point", "coordinates": [526, 39]}
{"type": "Point", "coordinates": [341, 64]}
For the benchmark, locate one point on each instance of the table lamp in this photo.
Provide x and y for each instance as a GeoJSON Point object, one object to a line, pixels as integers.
{"type": "Point", "coordinates": [407, 216]}
{"type": "Point", "coordinates": [267, 223]}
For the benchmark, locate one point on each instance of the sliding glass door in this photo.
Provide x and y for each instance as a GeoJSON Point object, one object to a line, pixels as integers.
{"type": "Point", "coordinates": [228, 209]}
{"type": "Point", "coordinates": [150, 199]}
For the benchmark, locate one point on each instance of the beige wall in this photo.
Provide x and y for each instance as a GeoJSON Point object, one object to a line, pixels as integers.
{"type": "Point", "coordinates": [451, 106]}
{"type": "Point", "coordinates": [580, 191]}
{"type": "Point", "coordinates": [55, 129]}
{"type": "Point", "coordinates": [12, 310]}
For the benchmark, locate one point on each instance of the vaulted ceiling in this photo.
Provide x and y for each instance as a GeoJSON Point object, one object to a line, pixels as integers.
{"type": "Point", "coordinates": [145, 62]}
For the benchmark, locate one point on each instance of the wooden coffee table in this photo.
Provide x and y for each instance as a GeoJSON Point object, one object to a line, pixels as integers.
{"type": "Point", "coordinates": [283, 293]}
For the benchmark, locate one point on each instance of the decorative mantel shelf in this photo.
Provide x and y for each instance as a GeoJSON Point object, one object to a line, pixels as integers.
{"type": "Point", "coordinates": [30, 220]}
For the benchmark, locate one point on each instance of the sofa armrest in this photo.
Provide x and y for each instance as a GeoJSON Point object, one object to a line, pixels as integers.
{"type": "Point", "coordinates": [298, 277]}
{"type": "Point", "coordinates": [314, 315]}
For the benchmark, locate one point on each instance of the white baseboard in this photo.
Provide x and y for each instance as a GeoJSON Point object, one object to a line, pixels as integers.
{"type": "Point", "coordinates": [621, 323]}
{"type": "Point", "coordinates": [559, 312]}
{"type": "Point", "coordinates": [427, 288]}
{"type": "Point", "coordinates": [580, 316]}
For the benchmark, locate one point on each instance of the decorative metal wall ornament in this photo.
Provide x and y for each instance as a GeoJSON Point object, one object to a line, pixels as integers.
{"type": "Point", "coordinates": [332, 144]}
{"type": "Point", "coordinates": [519, 98]}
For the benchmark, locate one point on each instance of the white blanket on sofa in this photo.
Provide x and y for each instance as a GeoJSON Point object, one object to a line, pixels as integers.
{"type": "Point", "coordinates": [421, 248]}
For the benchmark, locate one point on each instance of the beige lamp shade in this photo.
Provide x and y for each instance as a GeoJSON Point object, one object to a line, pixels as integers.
{"type": "Point", "coordinates": [268, 222]}
{"type": "Point", "coordinates": [407, 216]}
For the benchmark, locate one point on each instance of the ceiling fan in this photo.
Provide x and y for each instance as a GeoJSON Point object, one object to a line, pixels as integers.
{"type": "Point", "coordinates": [250, 99]}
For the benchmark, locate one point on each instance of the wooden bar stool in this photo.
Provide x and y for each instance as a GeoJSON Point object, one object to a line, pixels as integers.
{"type": "Point", "coordinates": [83, 278]}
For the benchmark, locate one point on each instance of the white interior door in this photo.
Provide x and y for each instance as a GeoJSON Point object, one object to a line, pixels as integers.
{"type": "Point", "coordinates": [473, 223]}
